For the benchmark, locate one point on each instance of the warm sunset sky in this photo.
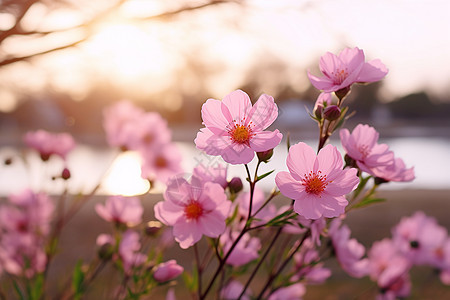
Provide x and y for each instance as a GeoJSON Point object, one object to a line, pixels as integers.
{"type": "Point", "coordinates": [411, 37]}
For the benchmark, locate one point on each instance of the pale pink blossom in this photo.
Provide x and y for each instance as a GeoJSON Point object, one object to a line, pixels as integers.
{"type": "Point", "coordinates": [104, 239]}
{"type": "Point", "coordinates": [341, 71]}
{"type": "Point", "coordinates": [193, 209]}
{"type": "Point", "coordinates": [348, 251]}
{"type": "Point", "coordinates": [27, 212]}
{"type": "Point", "coordinates": [235, 130]}
{"type": "Point", "coordinates": [118, 122]}
{"type": "Point", "coordinates": [308, 266]}
{"type": "Point", "coordinates": [48, 144]}
{"type": "Point", "coordinates": [149, 132]}
{"type": "Point", "coordinates": [161, 164]}
{"type": "Point", "coordinates": [233, 290]}
{"type": "Point", "coordinates": [264, 214]}
{"type": "Point", "coordinates": [396, 171]}
{"type": "Point", "coordinates": [362, 146]}
{"type": "Point", "coordinates": [216, 173]}
{"type": "Point", "coordinates": [121, 210]}
{"type": "Point", "coordinates": [245, 250]}
{"type": "Point", "coordinates": [420, 239]}
{"type": "Point", "coordinates": [292, 292]}
{"type": "Point", "coordinates": [398, 289]}
{"type": "Point", "coordinates": [387, 265]}
{"type": "Point", "coordinates": [167, 271]}
{"type": "Point", "coordinates": [129, 247]}
{"type": "Point", "coordinates": [317, 183]}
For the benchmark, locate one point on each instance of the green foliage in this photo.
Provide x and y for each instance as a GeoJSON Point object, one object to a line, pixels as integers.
{"type": "Point", "coordinates": [78, 280]}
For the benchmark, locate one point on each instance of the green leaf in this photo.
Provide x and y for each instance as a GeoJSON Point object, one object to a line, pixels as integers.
{"type": "Point", "coordinates": [282, 218]}
{"type": "Point", "coordinates": [264, 175]}
{"type": "Point", "coordinates": [362, 183]}
{"type": "Point", "coordinates": [37, 287]}
{"type": "Point", "coordinates": [18, 291]}
{"type": "Point", "coordinates": [368, 201]}
{"type": "Point", "coordinates": [77, 280]}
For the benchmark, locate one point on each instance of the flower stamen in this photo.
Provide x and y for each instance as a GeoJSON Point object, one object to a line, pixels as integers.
{"type": "Point", "coordinates": [315, 183]}
{"type": "Point", "coordinates": [193, 210]}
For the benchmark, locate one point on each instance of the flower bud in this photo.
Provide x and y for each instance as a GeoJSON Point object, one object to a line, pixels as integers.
{"type": "Point", "coordinates": [332, 112]}
{"type": "Point", "coordinates": [8, 161]}
{"type": "Point", "coordinates": [152, 228]}
{"type": "Point", "coordinates": [318, 112]}
{"type": "Point", "coordinates": [265, 155]}
{"type": "Point", "coordinates": [65, 174]}
{"type": "Point", "coordinates": [235, 185]}
{"type": "Point", "coordinates": [167, 271]}
{"type": "Point", "coordinates": [105, 252]}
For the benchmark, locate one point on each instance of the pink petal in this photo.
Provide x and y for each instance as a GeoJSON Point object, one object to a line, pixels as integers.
{"type": "Point", "coordinates": [329, 63]}
{"type": "Point", "coordinates": [329, 159]}
{"type": "Point", "coordinates": [346, 182]}
{"type": "Point", "coordinates": [263, 113]}
{"type": "Point", "coordinates": [211, 143]}
{"type": "Point", "coordinates": [178, 191]}
{"type": "Point", "coordinates": [371, 71]}
{"type": "Point", "coordinates": [238, 154]}
{"type": "Point", "coordinates": [288, 185]}
{"type": "Point", "coordinates": [332, 206]}
{"type": "Point", "coordinates": [308, 207]}
{"type": "Point", "coordinates": [213, 117]}
{"type": "Point", "coordinates": [238, 103]}
{"type": "Point", "coordinates": [212, 224]}
{"type": "Point", "coordinates": [352, 58]}
{"type": "Point", "coordinates": [300, 160]}
{"type": "Point", "coordinates": [212, 195]}
{"type": "Point", "coordinates": [322, 83]}
{"type": "Point", "coordinates": [103, 212]}
{"type": "Point", "coordinates": [265, 140]}
{"type": "Point", "coordinates": [186, 233]}
{"type": "Point", "coordinates": [167, 212]}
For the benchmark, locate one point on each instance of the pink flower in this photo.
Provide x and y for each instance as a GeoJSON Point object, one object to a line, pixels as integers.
{"type": "Point", "coordinates": [245, 250]}
{"type": "Point", "coordinates": [47, 143]}
{"type": "Point", "coordinates": [348, 67]}
{"type": "Point", "coordinates": [161, 164]}
{"type": "Point", "coordinates": [348, 251]}
{"type": "Point", "coordinates": [118, 122]}
{"type": "Point", "coordinates": [317, 183]}
{"type": "Point", "coordinates": [129, 251]}
{"type": "Point", "coordinates": [193, 209]}
{"type": "Point", "coordinates": [362, 146]}
{"type": "Point", "coordinates": [216, 173]}
{"type": "Point", "coordinates": [308, 265]}
{"type": "Point", "coordinates": [292, 292]}
{"type": "Point", "coordinates": [233, 290]}
{"type": "Point", "coordinates": [420, 239]}
{"type": "Point", "coordinates": [121, 210]}
{"type": "Point", "coordinates": [167, 271]}
{"type": "Point", "coordinates": [267, 213]}
{"type": "Point", "coordinates": [235, 129]}
{"type": "Point", "coordinates": [396, 171]}
{"type": "Point", "coordinates": [386, 265]}
{"type": "Point", "coordinates": [149, 132]}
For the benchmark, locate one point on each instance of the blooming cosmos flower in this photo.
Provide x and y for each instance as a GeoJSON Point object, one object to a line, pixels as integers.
{"type": "Point", "coordinates": [216, 173]}
{"type": "Point", "coordinates": [343, 70]}
{"type": "Point", "coordinates": [122, 210]}
{"type": "Point", "coordinates": [317, 183]}
{"type": "Point", "coordinates": [420, 239]}
{"type": "Point", "coordinates": [193, 209]}
{"type": "Point", "coordinates": [118, 122]}
{"type": "Point", "coordinates": [235, 129]}
{"type": "Point", "coordinates": [47, 143]}
{"type": "Point", "coordinates": [233, 290]}
{"type": "Point", "coordinates": [245, 250]}
{"type": "Point", "coordinates": [167, 271]}
{"type": "Point", "coordinates": [129, 247]}
{"type": "Point", "coordinates": [348, 251]}
{"type": "Point", "coordinates": [291, 292]}
{"type": "Point", "coordinates": [162, 163]}
{"type": "Point", "coordinates": [362, 146]}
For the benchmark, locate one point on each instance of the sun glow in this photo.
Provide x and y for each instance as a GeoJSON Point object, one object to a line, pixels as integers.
{"type": "Point", "coordinates": [131, 54]}
{"type": "Point", "coordinates": [124, 177]}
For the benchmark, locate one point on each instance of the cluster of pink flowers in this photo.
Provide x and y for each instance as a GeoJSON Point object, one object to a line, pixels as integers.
{"type": "Point", "coordinates": [131, 128]}
{"type": "Point", "coordinates": [48, 144]}
{"type": "Point", "coordinates": [24, 228]}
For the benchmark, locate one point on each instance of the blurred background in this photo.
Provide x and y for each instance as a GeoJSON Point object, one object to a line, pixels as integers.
{"type": "Point", "coordinates": [63, 61]}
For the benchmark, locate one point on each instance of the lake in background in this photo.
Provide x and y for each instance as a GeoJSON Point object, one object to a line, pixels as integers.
{"type": "Point", "coordinates": [121, 171]}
